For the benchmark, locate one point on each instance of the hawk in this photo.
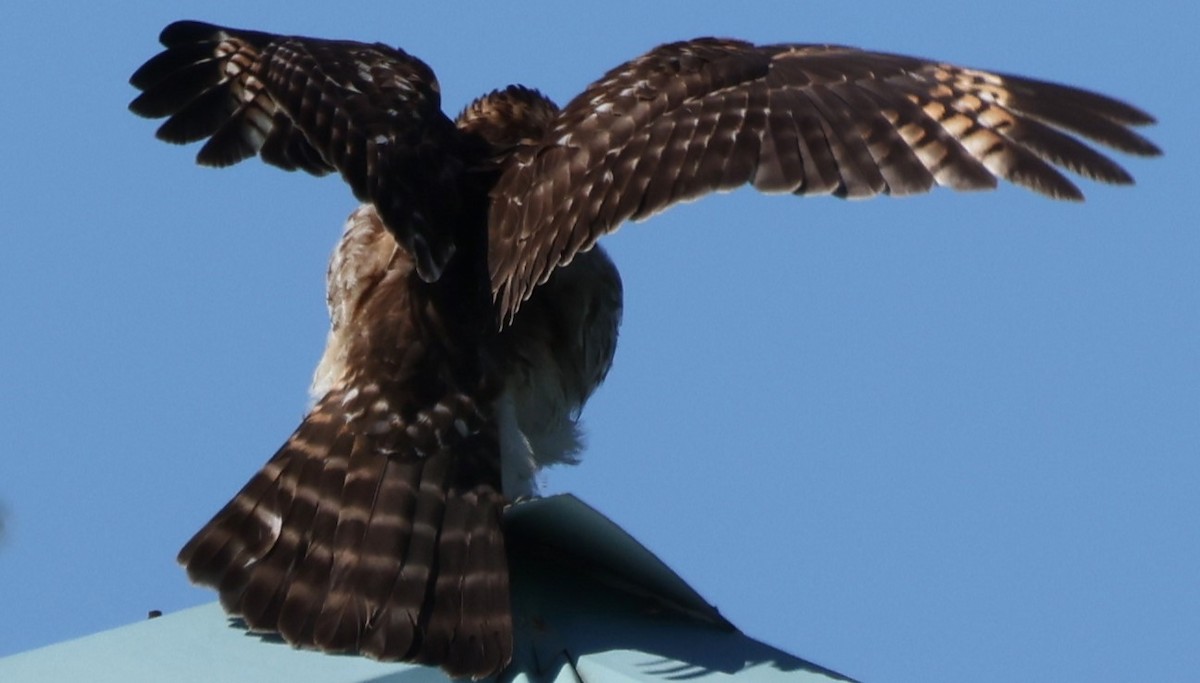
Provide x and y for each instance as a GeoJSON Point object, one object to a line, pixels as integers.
{"type": "Point", "coordinates": [472, 313]}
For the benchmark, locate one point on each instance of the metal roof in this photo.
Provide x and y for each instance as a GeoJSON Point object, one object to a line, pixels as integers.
{"type": "Point", "coordinates": [590, 604]}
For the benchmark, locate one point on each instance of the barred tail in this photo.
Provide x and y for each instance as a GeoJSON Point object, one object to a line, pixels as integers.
{"type": "Point", "coordinates": [341, 545]}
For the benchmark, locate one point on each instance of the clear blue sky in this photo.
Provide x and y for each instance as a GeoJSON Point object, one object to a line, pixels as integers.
{"type": "Point", "coordinates": [949, 438]}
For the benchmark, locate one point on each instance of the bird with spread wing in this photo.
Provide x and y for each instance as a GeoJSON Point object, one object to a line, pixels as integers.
{"type": "Point", "coordinates": [472, 313]}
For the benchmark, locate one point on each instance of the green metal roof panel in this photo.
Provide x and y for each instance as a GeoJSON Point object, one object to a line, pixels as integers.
{"type": "Point", "coordinates": [590, 603]}
{"type": "Point", "coordinates": [194, 645]}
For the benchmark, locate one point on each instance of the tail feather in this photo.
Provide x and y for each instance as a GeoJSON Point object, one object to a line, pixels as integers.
{"type": "Point", "coordinates": [243, 530]}
{"type": "Point", "coordinates": [445, 613]}
{"type": "Point", "coordinates": [345, 546]}
{"type": "Point", "coordinates": [255, 590]}
{"type": "Point", "coordinates": [259, 598]}
{"type": "Point", "coordinates": [482, 615]}
{"type": "Point", "coordinates": [391, 629]}
{"type": "Point", "coordinates": [265, 591]}
{"type": "Point", "coordinates": [389, 528]}
{"type": "Point", "coordinates": [347, 607]}
{"type": "Point", "coordinates": [310, 574]}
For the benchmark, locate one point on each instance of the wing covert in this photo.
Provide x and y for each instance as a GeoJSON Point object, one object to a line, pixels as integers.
{"type": "Point", "coordinates": [709, 115]}
{"type": "Point", "coordinates": [369, 111]}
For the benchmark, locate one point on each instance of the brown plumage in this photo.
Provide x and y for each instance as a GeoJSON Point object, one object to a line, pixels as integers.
{"type": "Point", "coordinates": [471, 313]}
{"type": "Point", "coordinates": [693, 117]}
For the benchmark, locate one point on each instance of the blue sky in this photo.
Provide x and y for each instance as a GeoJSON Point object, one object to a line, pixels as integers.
{"type": "Point", "coordinates": [945, 438]}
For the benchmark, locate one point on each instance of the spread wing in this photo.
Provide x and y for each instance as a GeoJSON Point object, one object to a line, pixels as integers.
{"type": "Point", "coordinates": [693, 117]}
{"type": "Point", "coordinates": [370, 112]}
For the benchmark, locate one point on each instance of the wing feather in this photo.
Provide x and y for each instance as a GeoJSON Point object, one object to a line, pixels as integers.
{"type": "Point", "coordinates": [708, 115]}
{"type": "Point", "coordinates": [370, 112]}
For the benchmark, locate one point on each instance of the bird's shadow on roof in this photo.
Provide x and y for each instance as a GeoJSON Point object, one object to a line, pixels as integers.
{"type": "Point", "coordinates": [582, 620]}
{"type": "Point", "coordinates": [678, 652]}
{"type": "Point", "coordinates": [588, 596]}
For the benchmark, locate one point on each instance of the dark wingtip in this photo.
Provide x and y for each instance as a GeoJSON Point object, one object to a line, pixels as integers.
{"type": "Point", "coordinates": [136, 107]}
{"type": "Point", "coordinates": [1142, 118]}
{"type": "Point", "coordinates": [1148, 149]}
{"type": "Point", "coordinates": [1119, 111]}
{"type": "Point", "coordinates": [147, 74]}
{"type": "Point", "coordinates": [187, 31]}
{"type": "Point", "coordinates": [1138, 145]}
